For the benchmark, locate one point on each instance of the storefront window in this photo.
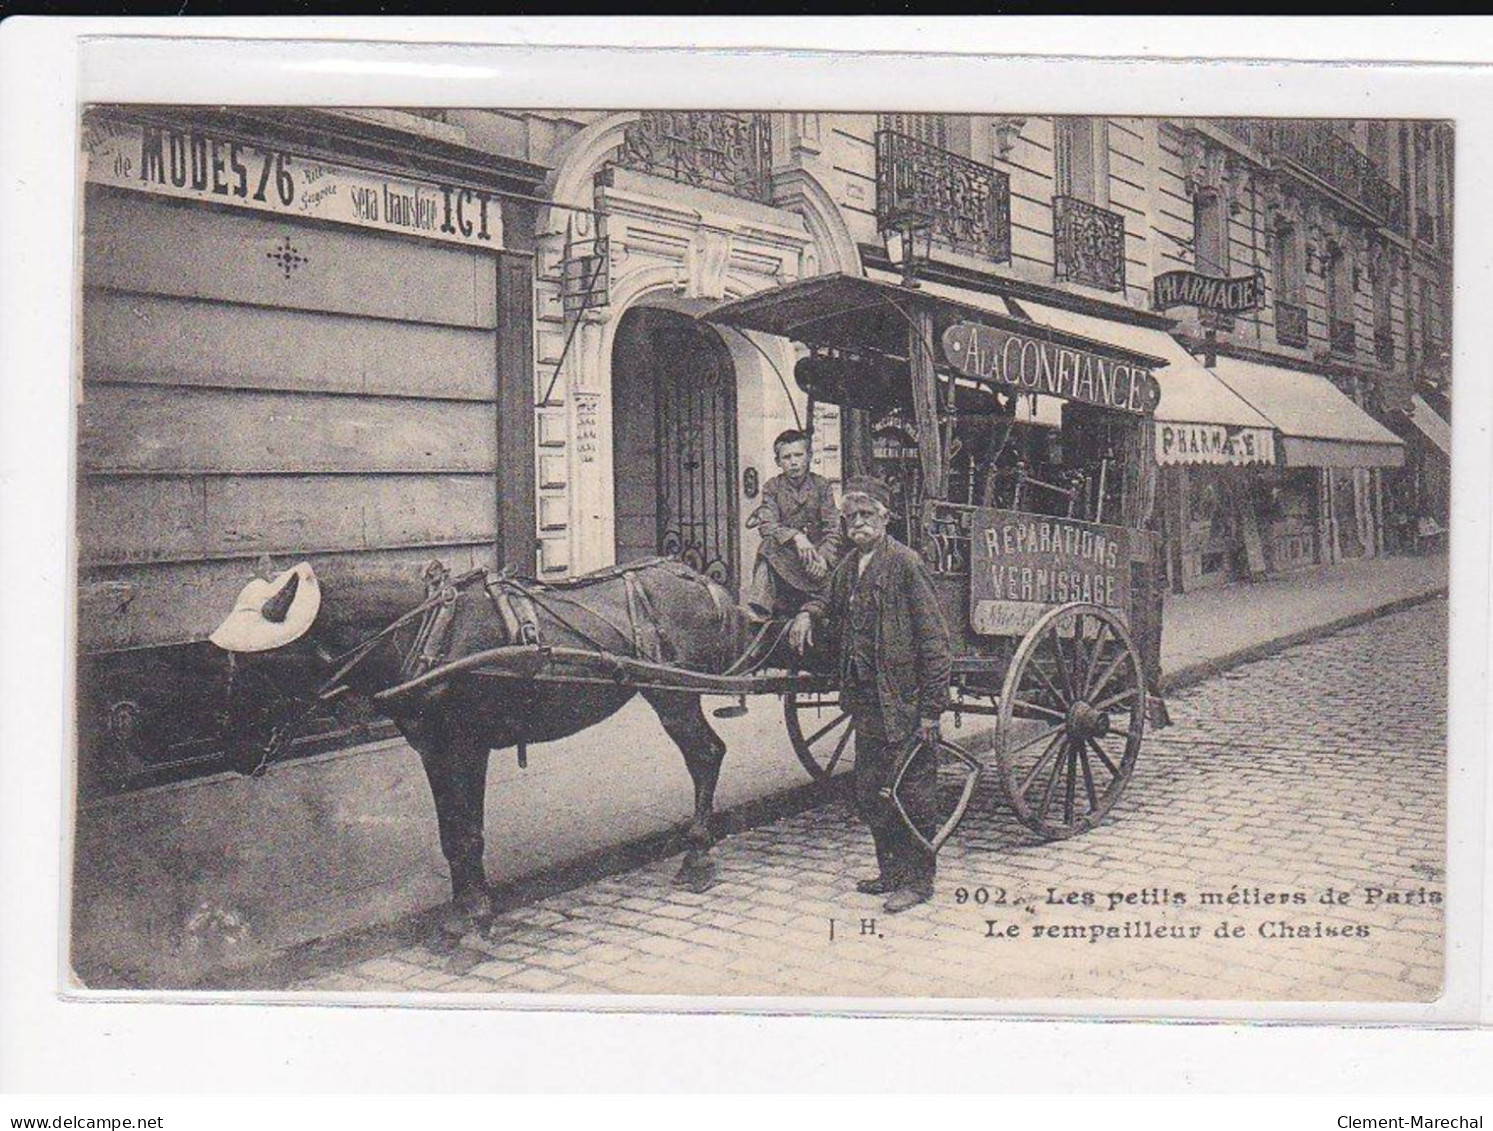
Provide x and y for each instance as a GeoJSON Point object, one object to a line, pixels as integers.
{"type": "Point", "coordinates": [1288, 511]}
{"type": "Point", "coordinates": [1346, 514]}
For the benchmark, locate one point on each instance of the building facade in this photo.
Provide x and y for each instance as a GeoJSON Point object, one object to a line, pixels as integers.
{"type": "Point", "coordinates": [1339, 231]}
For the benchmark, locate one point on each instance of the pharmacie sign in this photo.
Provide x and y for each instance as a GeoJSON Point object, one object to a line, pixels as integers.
{"type": "Point", "coordinates": [1022, 565]}
{"type": "Point", "coordinates": [1217, 444]}
{"type": "Point", "coordinates": [190, 164]}
{"type": "Point", "coordinates": [1030, 364]}
{"type": "Point", "coordinates": [1224, 296]}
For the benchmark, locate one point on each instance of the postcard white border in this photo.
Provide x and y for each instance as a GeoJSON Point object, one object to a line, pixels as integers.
{"type": "Point", "coordinates": [120, 1042]}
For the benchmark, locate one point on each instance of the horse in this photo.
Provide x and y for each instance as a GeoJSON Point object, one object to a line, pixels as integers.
{"type": "Point", "coordinates": [659, 611]}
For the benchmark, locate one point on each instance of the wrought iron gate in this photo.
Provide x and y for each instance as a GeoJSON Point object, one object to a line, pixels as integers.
{"type": "Point", "coordinates": [697, 467]}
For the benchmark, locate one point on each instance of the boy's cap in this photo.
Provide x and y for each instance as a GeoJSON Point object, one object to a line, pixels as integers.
{"type": "Point", "coordinates": [865, 485]}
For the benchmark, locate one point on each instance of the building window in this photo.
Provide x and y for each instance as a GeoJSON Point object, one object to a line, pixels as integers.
{"type": "Point", "coordinates": [1443, 184]}
{"type": "Point", "coordinates": [1340, 290]}
{"type": "Point", "coordinates": [1377, 146]}
{"type": "Point", "coordinates": [1427, 323]}
{"type": "Point", "coordinates": [1384, 341]}
{"type": "Point", "coordinates": [1288, 261]}
{"type": "Point", "coordinates": [1081, 153]}
{"type": "Point", "coordinates": [1210, 227]}
{"type": "Point", "coordinates": [1425, 222]}
{"type": "Point", "coordinates": [946, 131]}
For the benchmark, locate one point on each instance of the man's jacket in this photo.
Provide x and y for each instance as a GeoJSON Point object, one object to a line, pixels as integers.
{"type": "Point", "coordinates": [807, 509]}
{"type": "Point", "coordinates": [911, 647]}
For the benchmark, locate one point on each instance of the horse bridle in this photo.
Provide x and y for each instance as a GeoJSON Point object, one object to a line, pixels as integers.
{"type": "Point", "coordinates": [441, 593]}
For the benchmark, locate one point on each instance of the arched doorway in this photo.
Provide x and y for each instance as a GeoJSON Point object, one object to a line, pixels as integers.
{"type": "Point", "coordinates": [674, 443]}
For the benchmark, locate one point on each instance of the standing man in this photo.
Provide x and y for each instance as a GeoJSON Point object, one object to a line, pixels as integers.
{"type": "Point", "coordinates": [882, 611]}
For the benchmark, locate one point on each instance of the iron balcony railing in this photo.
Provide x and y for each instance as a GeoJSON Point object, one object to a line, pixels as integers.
{"type": "Point", "coordinates": [1342, 336]}
{"type": "Point", "coordinates": [1290, 325]}
{"type": "Point", "coordinates": [1253, 132]}
{"type": "Point", "coordinates": [723, 150]}
{"type": "Point", "coordinates": [1324, 153]}
{"type": "Point", "coordinates": [1090, 243]}
{"type": "Point", "coordinates": [965, 205]}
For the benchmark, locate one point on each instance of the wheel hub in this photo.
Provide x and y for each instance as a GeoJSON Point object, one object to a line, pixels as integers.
{"type": "Point", "coordinates": [1085, 722]}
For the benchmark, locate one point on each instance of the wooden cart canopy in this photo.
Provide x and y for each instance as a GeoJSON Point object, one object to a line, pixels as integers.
{"type": "Point", "coordinates": [857, 314]}
{"type": "Point", "coordinates": [866, 316]}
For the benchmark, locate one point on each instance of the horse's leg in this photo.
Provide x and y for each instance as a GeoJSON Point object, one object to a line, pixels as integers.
{"type": "Point", "coordinates": [684, 721]}
{"type": "Point", "coordinates": [456, 768]}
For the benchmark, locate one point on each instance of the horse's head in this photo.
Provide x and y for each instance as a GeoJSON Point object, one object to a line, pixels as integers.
{"type": "Point", "coordinates": [270, 614]}
{"type": "Point", "coordinates": [289, 632]}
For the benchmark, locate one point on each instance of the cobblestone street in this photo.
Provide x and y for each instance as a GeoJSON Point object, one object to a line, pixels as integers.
{"type": "Point", "coordinates": [1284, 839]}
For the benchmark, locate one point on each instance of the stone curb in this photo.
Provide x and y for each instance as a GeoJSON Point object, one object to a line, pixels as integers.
{"type": "Point", "coordinates": [305, 961]}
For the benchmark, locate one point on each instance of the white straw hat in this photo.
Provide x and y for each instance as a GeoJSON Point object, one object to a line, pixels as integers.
{"type": "Point", "coordinates": [270, 614]}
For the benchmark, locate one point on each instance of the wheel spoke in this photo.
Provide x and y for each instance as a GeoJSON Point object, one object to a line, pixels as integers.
{"type": "Point", "coordinates": [1072, 784]}
{"type": "Point", "coordinates": [1038, 708]}
{"type": "Point", "coordinates": [1046, 734]}
{"type": "Point", "coordinates": [1081, 657]}
{"type": "Point", "coordinates": [1037, 767]}
{"type": "Point", "coordinates": [1088, 678]}
{"type": "Point", "coordinates": [1103, 757]}
{"type": "Point", "coordinates": [1115, 700]}
{"type": "Point", "coordinates": [1109, 673]}
{"type": "Point", "coordinates": [1057, 643]}
{"type": "Point", "coordinates": [839, 750]}
{"type": "Point", "coordinates": [1057, 696]}
{"type": "Point", "coordinates": [825, 729]}
{"type": "Point", "coordinates": [1078, 651]}
{"type": "Point", "coordinates": [1052, 786]}
{"type": "Point", "coordinates": [1088, 780]}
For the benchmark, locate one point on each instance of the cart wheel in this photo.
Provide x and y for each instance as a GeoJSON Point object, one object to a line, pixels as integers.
{"type": "Point", "coordinates": [1072, 714]}
{"type": "Point", "coordinates": [821, 732]}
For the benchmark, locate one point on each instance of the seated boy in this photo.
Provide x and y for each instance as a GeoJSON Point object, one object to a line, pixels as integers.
{"type": "Point", "coordinates": [800, 530]}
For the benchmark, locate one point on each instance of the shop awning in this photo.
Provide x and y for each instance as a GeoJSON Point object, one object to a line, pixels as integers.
{"type": "Point", "coordinates": [859, 314]}
{"type": "Point", "coordinates": [1431, 426]}
{"type": "Point", "coordinates": [1199, 420]}
{"type": "Point", "coordinates": [1318, 425]}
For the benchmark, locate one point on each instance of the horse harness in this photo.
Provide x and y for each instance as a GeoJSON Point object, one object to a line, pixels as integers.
{"type": "Point", "coordinates": [516, 603]}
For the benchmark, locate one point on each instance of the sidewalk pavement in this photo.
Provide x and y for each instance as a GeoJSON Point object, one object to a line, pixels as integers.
{"type": "Point", "coordinates": [1209, 630]}
{"type": "Point", "coordinates": [174, 883]}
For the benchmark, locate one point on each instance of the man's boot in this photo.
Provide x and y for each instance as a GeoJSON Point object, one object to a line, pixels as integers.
{"type": "Point", "coordinates": [906, 897]}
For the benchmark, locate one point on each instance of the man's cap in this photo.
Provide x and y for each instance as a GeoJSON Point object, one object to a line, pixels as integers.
{"type": "Point", "coordinates": [866, 485]}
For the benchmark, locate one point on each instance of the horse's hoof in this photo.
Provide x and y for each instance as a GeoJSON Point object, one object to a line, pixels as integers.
{"type": "Point", "coordinates": [467, 914]}
{"type": "Point", "coordinates": [455, 923]}
{"type": "Point", "coordinates": [697, 876]}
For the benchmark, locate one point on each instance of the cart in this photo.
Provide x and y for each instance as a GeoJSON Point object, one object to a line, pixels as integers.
{"type": "Point", "coordinates": [1020, 461]}
{"type": "Point", "coordinates": [1020, 458]}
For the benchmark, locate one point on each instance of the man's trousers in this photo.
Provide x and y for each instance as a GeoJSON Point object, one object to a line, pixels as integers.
{"type": "Point", "coordinates": [902, 859]}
